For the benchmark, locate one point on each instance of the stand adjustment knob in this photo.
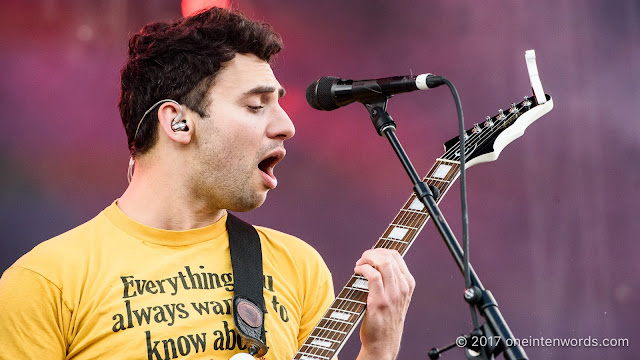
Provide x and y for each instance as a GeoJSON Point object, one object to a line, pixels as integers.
{"type": "Point", "coordinates": [472, 294]}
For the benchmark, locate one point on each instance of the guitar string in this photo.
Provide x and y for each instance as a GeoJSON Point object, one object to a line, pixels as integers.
{"type": "Point", "coordinates": [414, 221]}
{"type": "Point", "coordinates": [484, 134]}
{"type": "Point", "coordinates": [492, 130]}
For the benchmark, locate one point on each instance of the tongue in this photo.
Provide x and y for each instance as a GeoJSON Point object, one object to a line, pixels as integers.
{"type": "Point", "coordinates": [267, 172]}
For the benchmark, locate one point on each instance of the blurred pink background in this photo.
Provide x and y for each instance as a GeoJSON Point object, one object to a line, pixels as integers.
{"type": "Point", "coordinates": [553, 228]}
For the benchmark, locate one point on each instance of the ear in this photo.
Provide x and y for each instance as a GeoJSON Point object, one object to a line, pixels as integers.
{"type": "Point", "coordinates": [167, 113]}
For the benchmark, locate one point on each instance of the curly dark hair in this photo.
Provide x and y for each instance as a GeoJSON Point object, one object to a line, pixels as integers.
{"type": "Point", "coordinates": [180, 61]}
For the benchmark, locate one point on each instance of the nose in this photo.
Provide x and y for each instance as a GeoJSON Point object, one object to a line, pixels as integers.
{"type": "Point", "coordinates": [282, 126]}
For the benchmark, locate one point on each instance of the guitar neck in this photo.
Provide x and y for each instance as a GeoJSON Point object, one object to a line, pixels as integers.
{"type": "Point", "coordinates": [346, 311]}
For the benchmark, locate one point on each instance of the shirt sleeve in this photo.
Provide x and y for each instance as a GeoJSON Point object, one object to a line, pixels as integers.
{"type": "Point", "coordinates": [32, 316]}
{"type": "Point", "coordinates": [316, 305]}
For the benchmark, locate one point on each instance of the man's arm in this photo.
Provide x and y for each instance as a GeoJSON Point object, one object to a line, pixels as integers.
{"type": "Point", "coordinates": [32, 314]}
{"type": "Point", "coordinates": [390, 288]}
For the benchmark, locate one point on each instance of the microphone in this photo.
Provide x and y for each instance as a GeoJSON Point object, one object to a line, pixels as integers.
{"type": "Point", "coordinates": [329, 93]}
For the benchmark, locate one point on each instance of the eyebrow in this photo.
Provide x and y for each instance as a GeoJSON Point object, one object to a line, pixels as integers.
{"type": "Point", "coordinates": [265, 90]}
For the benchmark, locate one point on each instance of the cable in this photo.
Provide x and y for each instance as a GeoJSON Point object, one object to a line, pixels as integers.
{"type": "Point", "coordinates": [463, 203]}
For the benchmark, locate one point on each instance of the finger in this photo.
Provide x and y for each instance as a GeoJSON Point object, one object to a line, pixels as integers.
{"type": "Point", "coordinates": [405, 270]}
{"type": "Point", "coordinates": [397, 280]}
{"type": "Point", "coordinates": [400, 261]}
{"type": "Point", "coordinates": [375, 257]}
{"type": "Point", "coordinates": [383, 262]}
{"type": "Point", "coordinates": [375, 283]}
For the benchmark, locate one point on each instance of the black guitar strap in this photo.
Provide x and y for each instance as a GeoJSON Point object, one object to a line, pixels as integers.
{"type": "Point", "coordinates": [248, 281]}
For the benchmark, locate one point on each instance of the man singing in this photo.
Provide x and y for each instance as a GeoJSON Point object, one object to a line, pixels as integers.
{"type": "Point", "coordinates": [150, 277]}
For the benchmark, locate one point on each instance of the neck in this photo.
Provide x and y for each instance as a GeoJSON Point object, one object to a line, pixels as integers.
{"type": "Point", "coordinates": [156, 198]}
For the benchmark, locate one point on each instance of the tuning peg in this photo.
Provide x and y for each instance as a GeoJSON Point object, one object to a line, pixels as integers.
{"type": "Point", "coordinates": [526, 102]}
{"type": "Point", "coordinates": [514, 108]}
{"type": "Point", "coordinates": [501, 115]}
{"type": "Point", "coordinates": [476, 128]}
{"type": "Point", "coordinates": [489, 122]}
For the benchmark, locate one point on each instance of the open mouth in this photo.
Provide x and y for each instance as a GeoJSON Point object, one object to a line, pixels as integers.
{"type": "Point", "coordinates": [268, 163]}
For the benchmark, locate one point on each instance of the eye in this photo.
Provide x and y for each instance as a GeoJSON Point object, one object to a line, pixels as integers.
{"type": "Point", "coordinates": [256, 108]}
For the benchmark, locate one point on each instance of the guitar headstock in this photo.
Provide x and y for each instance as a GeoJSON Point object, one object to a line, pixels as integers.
{"type": "Point", "coordinates": [484, 141]}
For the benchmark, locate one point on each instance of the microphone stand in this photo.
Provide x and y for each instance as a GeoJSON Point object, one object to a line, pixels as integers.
{"type": "Point", "coordinates": [495, 335]}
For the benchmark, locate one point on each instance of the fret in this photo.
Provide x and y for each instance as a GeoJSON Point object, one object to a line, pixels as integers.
{"type": "Point", "coordinates": [345, 311]}
{"type": "Point", "coordinates": [358, 283]}
{"type": "Point", "coordinates": [316, 350]}
{"type": "Point", "coordinates": [400, 225]}
{"type": "Point", "coordinates": [340, 326]}
{"type": "Point", "coordinates": [337, 334]}
{"type": "Point", "coordinates": [440, 188]}
{"type": "Point", "coordinates": [334, 320]}
{"type": "Point", "coordinates": [323, 339]}
{"type": "Point", "coordinates": [412, 211]}
{"type": "Point", "coordinates": [361, 283]}
{"type": "Point", "coordinates": [427, 178]}
{"type": "Point", "coordinates": [350, 298]}
{"type": "Point", "coordinates": [415, 221]}
{"type": "Point", "coordinates": [391, 246]}
{"type": "Point", "coordinates": [404, 222]}
{"type": "Point", "coordinates": [394, 240]}
{"type": "Point", "coordinates": [344, 318]}
{"type": "Point", "coordinates": [355, 301]}
{"type": "Point", "coordinates": [447, 160]}
{"type": "Point", "coordinates": [388, 241]}
{"type": "Point", "coordinates": [356, 289]}
{"type": "Point", "coordinates": [398, 232]}
{"type": "Point", "coordinates": [306, 356]}
{"type": "Point", "coordinates": [346, 295]}
{"type": "Point", "coordinates": [326, 353]}
{"type": "Point", "coordinates": [318, 345]}
{"type": "Point", "coordinates": [343, 300]}
{"type": "Point", "coordinates": [332, 330]}
{"type": "Point", "coordinates": [415, 205]}
{"type": "Point", "coordinates": [441, 171]}
{"type": "Point", "coordinates": [333, 323]}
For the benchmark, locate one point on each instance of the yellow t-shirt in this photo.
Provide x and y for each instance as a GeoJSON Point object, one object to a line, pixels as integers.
{"type": "Point", "coordinates": [113, 288]}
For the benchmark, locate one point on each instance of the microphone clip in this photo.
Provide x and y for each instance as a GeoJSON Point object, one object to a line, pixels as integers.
{"type": "Point", "coordinates": [380, 118]}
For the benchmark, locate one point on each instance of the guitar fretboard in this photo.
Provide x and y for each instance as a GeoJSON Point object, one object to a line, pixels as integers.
{"type": "Point", "coordinates": [346, 311]}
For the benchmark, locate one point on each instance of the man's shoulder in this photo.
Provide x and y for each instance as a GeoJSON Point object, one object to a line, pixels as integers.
{"type": "Point", "coordinates": [277, 235]}
{"type": "Point", "coordinates": [288, 242]}
{"type": "Point", "coordinates": [283, 251]}
{"type": "Point", "coordinates": [65, 250]}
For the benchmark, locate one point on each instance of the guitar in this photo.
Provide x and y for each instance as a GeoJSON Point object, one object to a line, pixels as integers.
{"type": "Point", "coordinates": [483, 143]}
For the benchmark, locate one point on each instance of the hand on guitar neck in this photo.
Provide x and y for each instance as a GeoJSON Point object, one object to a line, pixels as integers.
{"type": "Point", "coordinates": [390, 288]}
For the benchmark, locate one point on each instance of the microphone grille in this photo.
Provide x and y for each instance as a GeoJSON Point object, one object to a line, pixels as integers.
{"type": "Point", "coordinates": [319, 93]}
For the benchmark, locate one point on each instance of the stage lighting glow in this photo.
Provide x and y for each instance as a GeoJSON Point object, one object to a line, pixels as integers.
{"type": "Point", "coordinates": [190, 7]}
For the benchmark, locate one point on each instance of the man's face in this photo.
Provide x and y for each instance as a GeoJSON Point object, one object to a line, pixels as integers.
{"type": "Point", "coordinates": [241, 140]}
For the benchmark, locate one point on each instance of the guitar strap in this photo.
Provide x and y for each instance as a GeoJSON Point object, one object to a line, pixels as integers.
{"type": "Point", "coordinates": [248, 281]}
